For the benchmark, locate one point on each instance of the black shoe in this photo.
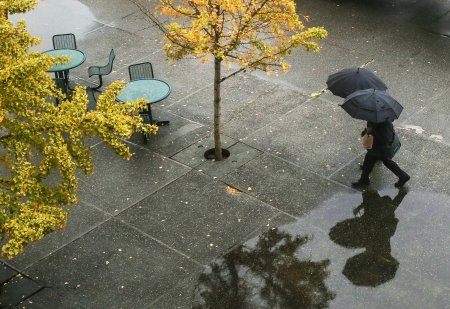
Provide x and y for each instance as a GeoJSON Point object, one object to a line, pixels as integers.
{"type": "Point", "coordinates": [402, 181]}
{"type": "Point", "coordinates": [360, 183]}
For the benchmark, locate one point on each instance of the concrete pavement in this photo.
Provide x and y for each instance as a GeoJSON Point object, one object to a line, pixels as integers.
{"type": "Point", "coordinates": [170, 230]}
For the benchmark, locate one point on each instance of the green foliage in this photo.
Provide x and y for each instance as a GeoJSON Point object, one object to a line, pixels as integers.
{"type": "Point", "coordinates": [42, 146]}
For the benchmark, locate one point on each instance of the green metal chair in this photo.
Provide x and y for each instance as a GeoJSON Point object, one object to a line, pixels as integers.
{"type": "Point", "coordinates": [102, 70]}
{"type": "Point", "coordinates": [91, 97]}
{"type": "Point", "coordinates": [64, 41]}
{"type": "Point", "coordinates": [140, 71]}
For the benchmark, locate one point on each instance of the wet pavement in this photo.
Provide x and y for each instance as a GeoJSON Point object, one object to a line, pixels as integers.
{"type": "Point", "coordinates": [277, 224]}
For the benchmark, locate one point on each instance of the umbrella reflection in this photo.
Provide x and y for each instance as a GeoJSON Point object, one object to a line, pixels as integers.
{"type": "Point", "coordinates": [266, 274]}
{"type": "Point", "coordinates": [371, 228]}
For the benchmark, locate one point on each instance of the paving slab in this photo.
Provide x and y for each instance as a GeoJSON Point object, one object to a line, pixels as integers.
{"type": "Point", "coordinates": [128, 48]}
{"type": "Point", "coordinates": [410, 86]}
{"type": "Point", "coordinates": [42, 20]}
{"type": "Point", "coordinates": [262, 110]}
{"type": "Point", "coordinates": [117, 183]}
{"type": "Point", "coordinates": [405, 286]}
{"type": "Point", "coordinates": [49, 297]}
{"type": "Point", "coordinates": [173, 138]}
{"type": "Point", "coordinates": [102, 11]}
{"type": "Point", "coordinates": [417, 156]}
{"type": "Point", "coordinates": [141, 24]}
{"type": "Point", "coordinates": [198, 216]}
{"type": "Point", "coordinates": [6, 273]}
{"type": "Point", "coordinates": [283, 185]}
{"type": "Point", "coordinates": [354, 39]}
{"type": "Point", "coordinates": [433, 119]}
{"type": "Point", "coordinates": [193, 155]}
{"type": "Point", "coordinates": [112, 266]}
{"type": "Point", "coordinates": [240, 154]}
{"type": "Point", "coordinates": [355, 23]}
{"type": "Point", "coordinates": [237, 93]}
{"type": "Point", "coordinates": [420, 215]}
{"type": "Point", "coordinates": [16, 290]}
{"type": "Point", "coordinates": [317, 135]}
{"type": "Point", "coordinates": [310, 70]}
{"type": "Point", "coordinates": [441, 25]}
{"type": "Point", "coordinates": [180, 297]}
{"type": "Point", "coordinates": [82, 218]}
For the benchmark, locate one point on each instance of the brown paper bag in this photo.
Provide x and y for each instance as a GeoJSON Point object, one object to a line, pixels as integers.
{"type": "Point", "coordinates": [367, 141]}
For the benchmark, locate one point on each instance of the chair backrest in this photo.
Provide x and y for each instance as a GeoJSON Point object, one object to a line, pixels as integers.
{"type": "Point", "coordinates": [112, 56]}
{"type": "Point", "coordinates": [64, 41]}
{"type": "Point", "coordinates": [140, 71]}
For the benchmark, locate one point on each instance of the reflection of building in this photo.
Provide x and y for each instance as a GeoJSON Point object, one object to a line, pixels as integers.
{"type": "Point", "coordinates": [371, 228]}
{"type": "Point", "coordinates": [265, 275]}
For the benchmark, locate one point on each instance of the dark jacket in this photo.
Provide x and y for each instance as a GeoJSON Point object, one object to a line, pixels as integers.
{"type": "Point", "coordinates": [383, 136]}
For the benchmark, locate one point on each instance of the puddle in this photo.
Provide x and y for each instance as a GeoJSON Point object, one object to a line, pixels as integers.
{"type": "Point", "coordinates": [58, 16]}
{"type": "Point", "coordinates": [265, 273]}
{"type": "Point", "coordinates": [385, 249]}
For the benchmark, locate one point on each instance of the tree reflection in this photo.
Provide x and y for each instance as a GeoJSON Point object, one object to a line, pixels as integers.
{"type": "Point", "coordinates": [265, 275]}
{"type": "Point", "coordinates": [372, 228]}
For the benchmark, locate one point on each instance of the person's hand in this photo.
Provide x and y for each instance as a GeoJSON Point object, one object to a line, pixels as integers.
{"type": "Point", "coordinates": [364, 132]}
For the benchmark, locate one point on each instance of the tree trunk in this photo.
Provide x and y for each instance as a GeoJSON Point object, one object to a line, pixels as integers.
{"type": "Point", "coordinates": [217, 142]}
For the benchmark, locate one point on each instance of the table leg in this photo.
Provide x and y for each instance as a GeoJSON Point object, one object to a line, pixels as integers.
{"type": "Point", "coordinates": [61, 82]}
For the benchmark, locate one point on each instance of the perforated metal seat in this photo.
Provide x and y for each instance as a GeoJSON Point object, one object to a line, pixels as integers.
{"type": "Point", "coordinates": [102, 70]}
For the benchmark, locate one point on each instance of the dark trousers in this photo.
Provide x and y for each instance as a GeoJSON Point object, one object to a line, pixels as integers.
{"type": "Point", "coordinates": [369, 162]}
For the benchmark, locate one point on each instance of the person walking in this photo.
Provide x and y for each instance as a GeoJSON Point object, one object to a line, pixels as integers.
{"type": "Point", "coordinates": [383, 136]}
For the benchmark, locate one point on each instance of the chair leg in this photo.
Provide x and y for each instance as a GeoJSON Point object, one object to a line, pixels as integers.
{"type": "Point", "coordinates": [101, 83]}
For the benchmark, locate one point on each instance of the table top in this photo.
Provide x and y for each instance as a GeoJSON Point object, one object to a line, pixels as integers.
{"type": "Point", "coordinates": [152, 90]}
{"type": "Point", "coordinates": [76, 56]}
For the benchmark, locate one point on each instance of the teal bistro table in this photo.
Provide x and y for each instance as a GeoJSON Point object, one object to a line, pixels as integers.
{"type": "Point", "coordinates": [76, 58]}
{"type": "Point", "coordinates": [151, 90]}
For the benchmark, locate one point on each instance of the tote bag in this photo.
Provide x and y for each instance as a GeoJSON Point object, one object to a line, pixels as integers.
{"type": "Point", "coordinates": [395, 147]}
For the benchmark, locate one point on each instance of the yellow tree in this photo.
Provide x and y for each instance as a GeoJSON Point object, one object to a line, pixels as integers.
{"type": "Point", "coordinates": [42, 145]}
{"type": "Point", "coordinates": [256, 34]}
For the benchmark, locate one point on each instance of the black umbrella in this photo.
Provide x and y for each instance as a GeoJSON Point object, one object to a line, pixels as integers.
{"type": "Point", "coordinates": [372, 105]}
{"type": "Point", "coordinates": [350, 80]}
{"type": "Point", "coordinates": [367, 269]}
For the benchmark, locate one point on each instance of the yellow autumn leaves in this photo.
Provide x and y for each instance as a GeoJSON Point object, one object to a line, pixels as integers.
{"type": "Point", "coordinates": [42, 146]}
{"type": "Point", "coordinates": [257, 34]}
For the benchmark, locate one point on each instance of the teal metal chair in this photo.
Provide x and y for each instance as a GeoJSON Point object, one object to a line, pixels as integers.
{"type": "Point", "coordinates": [102, 70]}
{"type": "Point", "coordinates": [64, 41]}
{"type": "Point", "coordinates": [140, 71]}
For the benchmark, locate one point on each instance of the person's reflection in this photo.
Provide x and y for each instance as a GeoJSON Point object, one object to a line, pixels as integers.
{"type": "Point", "coordinates": [371, 228]}
{"type": "Point", "coordinates": [267, 274]}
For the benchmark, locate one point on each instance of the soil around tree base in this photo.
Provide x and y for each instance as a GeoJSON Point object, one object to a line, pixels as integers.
{"type": "Point", "coordinates": [210, 154]}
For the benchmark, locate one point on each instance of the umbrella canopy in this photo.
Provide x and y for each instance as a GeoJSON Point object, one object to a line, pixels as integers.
{"type": "Point", "coordinates": [372, 105]}
{"type": "Point", "coordinates": [350, 80]}
{"type": "Point", "coordinates": [366, 269]}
